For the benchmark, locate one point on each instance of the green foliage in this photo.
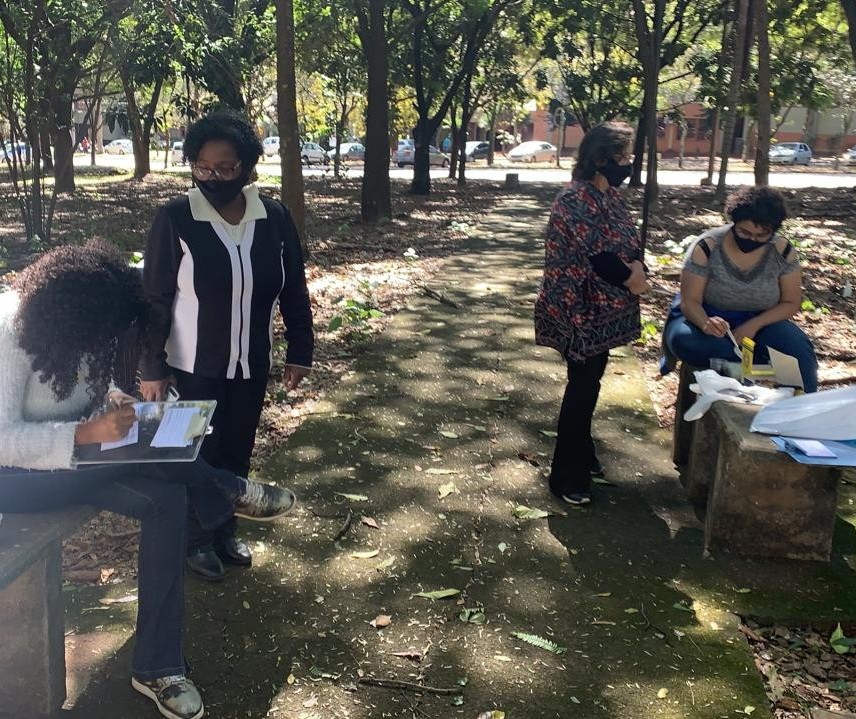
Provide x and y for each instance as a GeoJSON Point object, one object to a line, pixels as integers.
{"type": "Point", "coordinates": [539, 642]}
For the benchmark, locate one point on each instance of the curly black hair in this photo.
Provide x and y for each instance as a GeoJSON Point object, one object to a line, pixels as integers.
{"type": "Point", "coordinates": [598, 145]}
{"type": "Point", "coordinates": [75, 303]}
{"type": "Point", "coordinates": [227, 125]}
{"type": "Point", "coordinates": [764, 206]}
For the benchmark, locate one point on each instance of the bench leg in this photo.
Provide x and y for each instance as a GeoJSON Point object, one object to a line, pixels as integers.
{"type": "Point", "coordinates": [700, 472]}
{"type": "Point", "coordinates": [682, 435]}
{"type": "Point", "coordinates": [766, 506]}
{"type": "Point", "coordinates": [32, 640]}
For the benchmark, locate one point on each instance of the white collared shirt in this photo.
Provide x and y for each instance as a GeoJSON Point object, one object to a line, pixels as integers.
{"type": "Point", "coordinates": [203, 211]}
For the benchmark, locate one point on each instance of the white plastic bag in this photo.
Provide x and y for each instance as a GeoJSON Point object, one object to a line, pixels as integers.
{"type": "Point", "coordinates": [711, 386]}
{"type": "Point", "coordinates": [819, 415]}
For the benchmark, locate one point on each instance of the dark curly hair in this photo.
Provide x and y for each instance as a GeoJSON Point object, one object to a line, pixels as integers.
{"type": "Point", "coordinates": [75, 302]}
{"type": "Point", "coordinates": [227, 125]}
{"type": "Point", "coordinates": [598, 145]}
{"type": "Point", "coordinates": [762, 205]}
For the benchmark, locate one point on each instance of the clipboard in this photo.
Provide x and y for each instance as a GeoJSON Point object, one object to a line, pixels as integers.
{"type": "Point", "coordinates": [164, 432]}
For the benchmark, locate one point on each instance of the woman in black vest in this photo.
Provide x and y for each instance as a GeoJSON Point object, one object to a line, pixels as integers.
{"type": "Point", "coordinates": [220, 262]}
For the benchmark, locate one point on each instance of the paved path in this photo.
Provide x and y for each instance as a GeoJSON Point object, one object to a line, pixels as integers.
{"type": "Point", "coordinates": [448, 400]}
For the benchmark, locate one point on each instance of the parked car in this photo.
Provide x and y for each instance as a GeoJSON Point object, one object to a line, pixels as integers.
{"type": "Point", "coordinates": [10, 150]}
{"type": "Point", "coordinates": [851, 155]}
{"type": "Point", "coordinates": [348, 151]}
{"type": "Point", "coordinates": [475, 150]}
{"type": "Point", "coordinates": [312, 152]}
{"type": "Point", "coordinates": [270, 146]}
{"type": "Point", "coordinates": [122, 146]}
{"type": "Point", "coordinates": [404, 152]}
{"type": "Point", "coordinates": [533, 151]}
{"type": "Point", "coordinates": [406, 156]}
{"type": "Point", "coordinates": [790, 153]}
{"type": "Point", "coordinates": [177, 153]}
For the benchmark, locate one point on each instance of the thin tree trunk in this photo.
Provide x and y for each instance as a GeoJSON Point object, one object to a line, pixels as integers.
{"type": "Point", "coordinates": [456, 143]}
{"type": "Point", "coordinates": [638, 151]}
{"type": "Point", "coordinates": [850, 12]}
{"type": "Point", "coordinates": [740, 28]}
{"type": "Point", "coordinates": [491, 138]}
{"type": "Point", "coordinates": [714, 148]}
{"type": "Point", "coordinates": [286, 102]}
{"type": "Point", "coordinates": [762, 146]}
{"type": "Point", "coordinates": [376, 200]}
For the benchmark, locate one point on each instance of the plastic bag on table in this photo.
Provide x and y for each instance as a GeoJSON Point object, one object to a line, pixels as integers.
{"type": "Point", "coordinates": [819, 415]}
{"type": "Point", "coordinates": [711, 387]}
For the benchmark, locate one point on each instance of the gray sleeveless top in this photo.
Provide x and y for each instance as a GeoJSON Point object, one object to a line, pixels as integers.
{"type": "Point", "coordinates": [730, 288]}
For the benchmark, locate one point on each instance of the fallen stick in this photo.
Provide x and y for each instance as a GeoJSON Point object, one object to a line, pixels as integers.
{"type": "Point", "coordinates": [343, 530]}
{"type": "Point", "coordinates": [433, 294]}
{"type": "Point", "coordinates": [407, 686]}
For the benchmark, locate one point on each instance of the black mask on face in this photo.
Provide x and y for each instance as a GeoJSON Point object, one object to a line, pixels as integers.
{"type": "Point", "coordinates": [744, 244]}
{"type": "Point", "coordinates": [221, 192]}
{"type": "Point", "coordinates": [614, 173]}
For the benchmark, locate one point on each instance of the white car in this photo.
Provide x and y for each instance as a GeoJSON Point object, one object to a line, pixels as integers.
{"type": "Point", "coordinates": [405, 155]}
{"type": "Point", "coordinates": [790, 153]}
{"type": "Point", "coordinates": [348, 151]}
{"type": "Point", "coordinates": [312, 152]}
{"type": "Point", "coordinates": [177, 153]}
{"type": "Point", "coordinates": [122, 146]}
{"type": "Point", "coordinates": [851, 155]}
{"type": "Point", "coordinates": [270, 146]}
{"type": "Point", "coordinates": [533, 151]}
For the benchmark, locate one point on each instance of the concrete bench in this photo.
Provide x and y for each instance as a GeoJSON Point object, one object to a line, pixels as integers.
{"type": "Point", "coordinates": [759, 501]}
{"type": "Point", "coordinates": [32, 623]}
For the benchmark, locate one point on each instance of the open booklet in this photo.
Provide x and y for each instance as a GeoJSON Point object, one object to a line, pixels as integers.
{"type": "Point", "coordinates": [163, 432]}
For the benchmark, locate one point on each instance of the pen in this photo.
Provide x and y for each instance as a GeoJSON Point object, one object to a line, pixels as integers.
{"type": "Point", "coordinates": [734, 342]}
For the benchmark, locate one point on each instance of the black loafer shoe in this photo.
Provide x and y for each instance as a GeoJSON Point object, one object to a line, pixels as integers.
{"type": "Point", "coordinates": [232, 550]}
{"type": "Point", "coordinates": [596, 468]}
{"type": "Point", "coordinates": [205, 564]}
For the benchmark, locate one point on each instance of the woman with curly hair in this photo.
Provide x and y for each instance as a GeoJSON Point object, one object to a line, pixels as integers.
{"type": "Point", "coordinates": [744, 278]}
{"type": "Point", "coordinates": [220, 262]}
{"type": "Point", "coordinates": [58, 343]}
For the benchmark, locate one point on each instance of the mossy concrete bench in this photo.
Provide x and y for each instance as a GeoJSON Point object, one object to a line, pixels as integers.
{"type": "Point", "coordinates": [757, 500]}
{"type": "Point", "coordinates": [32, 622]}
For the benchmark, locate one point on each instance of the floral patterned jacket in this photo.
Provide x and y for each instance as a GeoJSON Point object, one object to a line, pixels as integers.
{"type": "Point", "coordinates": [577, 312]}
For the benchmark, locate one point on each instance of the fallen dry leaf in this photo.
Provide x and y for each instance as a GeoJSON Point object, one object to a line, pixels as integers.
{"type": "Point", "coordinates": [370, 522]}
{"type": "Point", "coordinates": [381, 621]}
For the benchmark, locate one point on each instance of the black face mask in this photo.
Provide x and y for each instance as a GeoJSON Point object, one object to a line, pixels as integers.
{"type": "Point", "coordinates": [746, 245]}
{"type": "Point", "coordinates": [614, 173]}
{"type": "Point", "coordinates": [221, 192]}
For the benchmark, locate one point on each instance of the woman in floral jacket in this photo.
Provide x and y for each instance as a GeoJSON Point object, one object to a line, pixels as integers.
{"type": "Point", "coordinates": [588, 303]}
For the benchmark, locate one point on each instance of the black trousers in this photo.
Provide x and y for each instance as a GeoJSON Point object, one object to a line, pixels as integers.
{"type": "Point", "coordinates": [574, 455]}
{"type": "Point", "coordinates": [230, 446]}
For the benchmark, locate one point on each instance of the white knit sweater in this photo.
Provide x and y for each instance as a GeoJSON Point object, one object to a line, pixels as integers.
{"type": "Point", "coordinates": [36, 429]}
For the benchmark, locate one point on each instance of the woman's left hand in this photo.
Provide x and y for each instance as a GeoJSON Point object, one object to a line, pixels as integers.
{"type": "Point", "coordinates": [747, 329]}
{"type": "Point", "coordinates": [292, 376]}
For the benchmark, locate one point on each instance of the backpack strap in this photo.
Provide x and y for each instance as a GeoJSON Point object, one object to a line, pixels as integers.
{"type": "Point", "coordinates": [787, 251]}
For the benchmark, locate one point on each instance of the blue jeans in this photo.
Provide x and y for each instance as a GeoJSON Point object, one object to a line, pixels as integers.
{"type": "Point", "coordinates": [157, 495]}
{"type": "Point", "coordinates": [688, 343]}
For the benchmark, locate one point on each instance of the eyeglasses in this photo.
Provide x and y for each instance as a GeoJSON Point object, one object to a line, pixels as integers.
{"type": "Point", "coordinates": [754, 236]}
{"type": "Point", "coordinates": [224, 173]}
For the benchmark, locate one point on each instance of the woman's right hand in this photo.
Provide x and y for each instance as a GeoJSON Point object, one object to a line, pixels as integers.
{"type": "Point", "coordinates": [715, 326]}
{"type": "Point", "coordinates": [154, 390]}
{"type": "Point", "coordinates": [108, 427]}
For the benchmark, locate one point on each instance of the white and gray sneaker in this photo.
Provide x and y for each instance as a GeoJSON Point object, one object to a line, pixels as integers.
{"type": "Point", "coordinates": [176, 697]}
{"type": "Point", "coordinates": [264, 502]}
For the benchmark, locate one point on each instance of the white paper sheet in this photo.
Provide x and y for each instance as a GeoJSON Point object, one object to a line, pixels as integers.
{"type": "Point", "coordinates": [132, 437]}
{"type": "Point", "coordinates": [174, 427]}
{"type": "Point", "coordinates": [787, 369]}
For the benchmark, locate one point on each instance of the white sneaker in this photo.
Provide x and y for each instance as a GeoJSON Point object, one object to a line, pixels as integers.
{"type": "Point", "coordinates": [264, 502]}
{"type": "Point", "coordinates": [176, 696]}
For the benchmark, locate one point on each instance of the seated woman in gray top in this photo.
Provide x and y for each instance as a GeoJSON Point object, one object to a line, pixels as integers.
{"type": "Point", "coordinates": [745, 278]}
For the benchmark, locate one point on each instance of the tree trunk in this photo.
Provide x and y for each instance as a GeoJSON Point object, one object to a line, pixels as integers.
{"type": "Point", "coordinates": [456, 143]}
{"type": "Point", "coordinates": [142, 165]}
{"type": "Point", "coordinates": [739, 45]}
{"type": "Point", "coordinates": [638, 151]}
{"type": "Point", "coordinates": [466, 116]}
{"type": "Point", "coordinates": [61, 105]}
{"type": "Point", "coordinates": [850, 11]}
{"type": "Point", "coordinates": [376, 200]}
{"type": "Point", "coordinates": [683, 145]}
{"type": "Point", "coordinates": [286, 105]}
{"type": "Point", "coordinates": [762, 146]}
{"type": "Point", "coordinates": [714, 147]}
{"type": "Point", "coordinates": [491, 138]}
{"type": "Point", "coordinates": [424, 131]}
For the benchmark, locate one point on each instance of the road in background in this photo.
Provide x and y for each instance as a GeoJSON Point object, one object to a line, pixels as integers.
{"type": "Point", "coordinates": [778, 178]}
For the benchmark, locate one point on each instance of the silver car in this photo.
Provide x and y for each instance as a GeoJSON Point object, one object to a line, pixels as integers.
{"type": "Point", "coordinates": [406, 155]}
{"type": "Point", "coordinates": [851, 155]}
{"type": "Point", "coordinates": [790, 153]}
